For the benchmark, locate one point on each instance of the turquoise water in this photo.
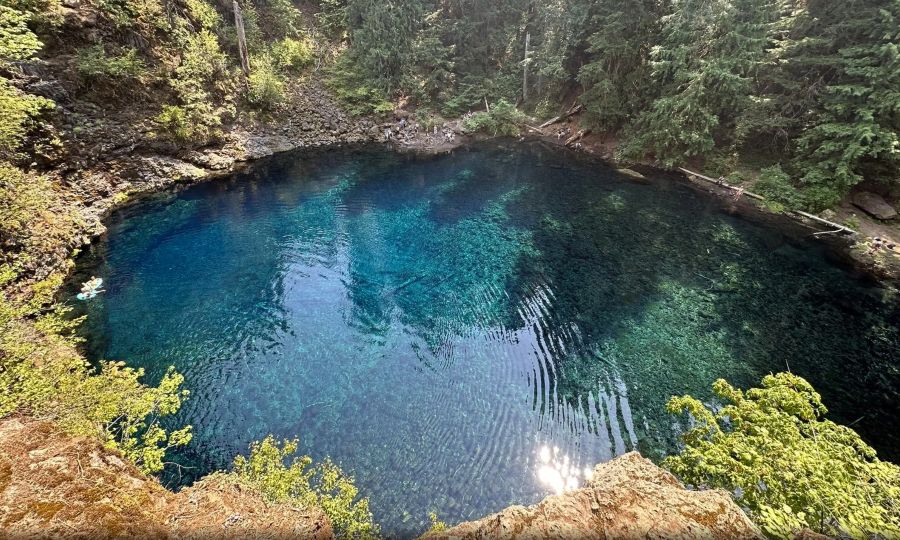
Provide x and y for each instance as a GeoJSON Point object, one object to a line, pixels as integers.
{"type": "Point", "coordinates": [470, 331]}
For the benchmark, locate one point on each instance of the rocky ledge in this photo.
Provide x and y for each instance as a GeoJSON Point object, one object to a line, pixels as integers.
{"type": "Point", "coordinates": [628, 497]}
{"type": "Point", "coordinates": [56, 486]}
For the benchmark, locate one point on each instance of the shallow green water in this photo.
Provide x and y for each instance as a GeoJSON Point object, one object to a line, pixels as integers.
{"type": "Point", "coordinates": [474, 330]}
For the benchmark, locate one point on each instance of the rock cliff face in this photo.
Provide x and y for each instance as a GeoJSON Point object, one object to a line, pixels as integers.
{"type": "Point", "coordinates": [628, 497]}
{"type": "Point", "coordinates": [56, 486]}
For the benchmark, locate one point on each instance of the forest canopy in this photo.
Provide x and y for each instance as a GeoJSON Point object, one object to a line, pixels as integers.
{"type": "Point", "coordinates": [810, 88]}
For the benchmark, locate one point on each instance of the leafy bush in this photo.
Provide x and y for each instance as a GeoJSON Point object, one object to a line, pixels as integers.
{"type": "Point", "coordinates": [204, 14]}
{"type": "Point", "coordinates": [134, 13]}
{"type": "Point", "coordinates": [95, 64]}
{"type": "Point", "coordinates": [265, 86]}
{"type": "Point", "coordinates": [18, 112]}
{"type": "Point", "coordinates": [776, 186]}
{"type": "Point", "coordinates": [785, 463]}
{"type": "Point", "coordinates": [173, 120]}
{"type": "Point", "coordinates": [279, 18]}
{"type": "Point", "coordinates": [306, 485]}
{"type": "Point", "coordinates": [504, 119]}
{"type": "Point", "coordinates": [292, 54]}
{"type": "Point", "coordinates": [17, 41]}
{"type": "Point", "coordinates": [200, 78]}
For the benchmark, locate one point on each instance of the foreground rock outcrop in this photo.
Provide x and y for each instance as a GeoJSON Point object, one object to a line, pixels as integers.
{"type": "Point", "coordinates": [628, 497]}
{"type": "Point", "coordinates": [56, 486]}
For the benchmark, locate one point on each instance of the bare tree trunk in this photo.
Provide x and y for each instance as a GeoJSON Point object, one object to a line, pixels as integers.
{"type": "Point", "coordinates": [242, 38]}
{"type": "Point", "coordinates": [525, 68]}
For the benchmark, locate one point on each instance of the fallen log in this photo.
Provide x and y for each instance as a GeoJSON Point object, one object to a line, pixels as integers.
{"type": "Point", "coordinates": [721, 182]}
{"type": "Point", "coordinates": [826, 222]}
{"type": "Point", "coordinates": [577, 137]}
{"type": "Point", "coordinates": [574, 110]}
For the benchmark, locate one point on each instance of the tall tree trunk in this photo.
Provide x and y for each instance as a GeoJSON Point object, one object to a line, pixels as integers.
{"type": "Point", "coordinates": [525, 69]}
{"type": "Point", "coordinates": [242, 38]}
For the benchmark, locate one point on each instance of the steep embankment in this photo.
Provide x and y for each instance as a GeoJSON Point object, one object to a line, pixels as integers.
{"type": "Point", "coordinates": [54, 485]}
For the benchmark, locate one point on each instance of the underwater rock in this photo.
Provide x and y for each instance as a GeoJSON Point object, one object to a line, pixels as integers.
{"type": "Point", "coordinates": [628, 497]}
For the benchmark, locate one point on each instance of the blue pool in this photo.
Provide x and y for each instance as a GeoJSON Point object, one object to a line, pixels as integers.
{"type": "Point", "coordinates": [468, 331]}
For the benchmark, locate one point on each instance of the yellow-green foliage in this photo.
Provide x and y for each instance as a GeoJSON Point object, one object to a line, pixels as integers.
{"type": "Point", "coordinates": [143, 14]}
{"type": "Point", "coordinates": [42, 374]}
{"type": "Point", "coordinates": [292, 54]}
{"type": "Point", "coordinates": [302, 483]}
{"type": "Point", "coordinates": [503, 119]}
{"type": "Point", "coordinates": [436, 524]}
{"type": "Point", "coordinates": [33, 218]}
{"type": "Point", "coordinates": [17, 113]}
{"type": "Point", "coordinates": [17, 41]}
{"type": "Point", "coordinates": [789, 466]}
{"type": "Point", "coordinates": [17, 109]}
{"type": "Point", "coordinates": [204, 14]}
{"type": "Point", "coordinates": [265, 85]}
{"type": "Point", "coordinates": [201, 77]}
{"type": "Point", "coordinates": [95, 64]}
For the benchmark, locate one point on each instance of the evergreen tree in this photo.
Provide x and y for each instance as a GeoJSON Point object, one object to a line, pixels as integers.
{"type": "Point", "coordinates": [703, 70]}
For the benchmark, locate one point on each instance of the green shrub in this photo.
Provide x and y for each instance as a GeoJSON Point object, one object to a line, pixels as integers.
{"type": "Point", "coordinates": [292, 54]}
{"type": "Point", "coordinates": [785, 463]}
{"type": "Point", "coordinates": [265, 86]}
{"type": "Point", "coordinates": [17, 41]}
{"type": "Point", "coordinates": [95, 64]}
{"type": "Point", "coordinates": [18, 112]}
{"type": "Point", "coordinates": [776, 186]}
{"type": "Point", "coordinates": [279, 18]}
{"type": "Point", "coordinates": [33, 218]}
{"type": "Point", "coordinates": [504, 119]}
{"type": "Point", "coordinates": [479, 122]}
{"type": "Point", "coordinates": [205, 14]}
{"type": "Point", "coordinates": [436, 524]}
{"type": "Point", "coordinates": [196, 124]}
{"type": "Point", "coordinates": [333, 17]}
{"type": "Point", "coordinates": [302, 483]}
{"type": "Point", "coordinates": [200, 78]}
{"type": "Point", "coordinates": [133, 13]}
{"type": "Point", "coordinates": [42, 374]}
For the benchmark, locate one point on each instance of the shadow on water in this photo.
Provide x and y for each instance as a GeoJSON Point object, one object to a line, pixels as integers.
{"type": "Point", "coordinates": [469, 331]}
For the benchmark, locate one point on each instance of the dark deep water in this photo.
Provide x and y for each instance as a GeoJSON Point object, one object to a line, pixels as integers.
{"type": "Point", "coordinates": [470, 331]}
